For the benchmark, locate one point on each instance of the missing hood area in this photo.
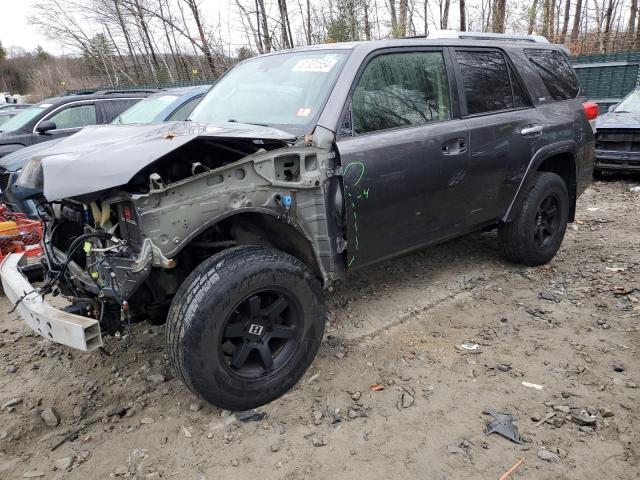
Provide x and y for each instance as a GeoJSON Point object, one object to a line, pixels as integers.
{"type": "Point", "coordinates": [104, 157]}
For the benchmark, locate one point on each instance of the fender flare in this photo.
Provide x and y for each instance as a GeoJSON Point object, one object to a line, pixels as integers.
{"type": "Point", "coordinates": [565, 146]}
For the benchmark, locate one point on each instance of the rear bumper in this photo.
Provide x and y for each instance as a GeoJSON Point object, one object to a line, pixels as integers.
{"type": "Point", "coordinates": [47, 321]}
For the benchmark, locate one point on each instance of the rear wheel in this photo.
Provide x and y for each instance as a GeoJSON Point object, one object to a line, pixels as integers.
{"type": "Point", "coordinates": [534, 236]}
{"type": "Point", "coordinates": [245, 326]}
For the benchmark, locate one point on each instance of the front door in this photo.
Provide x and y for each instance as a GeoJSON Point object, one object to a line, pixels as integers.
{"type": "Point", "coordinates": [404, 156]}
{"type": "Point", "coordinates": [69, 119]}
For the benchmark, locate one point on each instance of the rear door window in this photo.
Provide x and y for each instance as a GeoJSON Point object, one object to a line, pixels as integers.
{"type": "Point", "coordinates": [74, 116]}
{"type": "Point", "coordinates": [401, 90]}
{"type": "Point", "coordinates": [112, 108]}
{"type": "Point", "coordinates": [555, 72]}
{"type": "Point", "coordinates": [486, 78]}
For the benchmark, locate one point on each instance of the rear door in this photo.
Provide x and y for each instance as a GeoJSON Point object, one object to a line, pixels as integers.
{"type": "Point", "coordinates": [503, 126]}
{"type": "Point", "coordinates": [403, 151]}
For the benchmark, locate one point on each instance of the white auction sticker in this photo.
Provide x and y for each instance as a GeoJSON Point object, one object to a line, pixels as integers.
{"type": "Point", "coordinates": [321, 65]}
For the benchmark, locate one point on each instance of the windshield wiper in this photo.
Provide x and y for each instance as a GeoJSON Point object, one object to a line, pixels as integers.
{"type": "Point", "coordinates": [231, 120]}
{"type": "Point", "coordinates": [621, 111]}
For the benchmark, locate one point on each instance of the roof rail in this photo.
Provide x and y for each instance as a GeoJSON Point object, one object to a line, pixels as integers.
{"type": "Point", "coordinates": [131, 90]}
{"type": "Point", "coordinates": [67, 93]}
{"type": "Point", "coordinates": [444, 34]}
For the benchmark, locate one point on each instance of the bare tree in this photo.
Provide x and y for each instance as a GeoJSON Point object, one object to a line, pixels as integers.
{"type": "Point", "coordinates": [444, 14]}
{"type": "Point", "coordinates": [394, 16]}
{"type": "Point", "coordinates": [631, 25]}
{"type": "Point", "coordinates": [285, 26]}
{"type": "Point", "coordinates": [497, 26]}
{"type": "Point", "coordinates": [577, 15]}
{"type": "Point", "coordinates": [533, 10]}
{"type": "Point", "coordinates": [463, 16]}
{"type": "Point", "coordinates": [402, 24]}
{"type": "Point", "coordinates": [367, 23]}
{"type": "Point", "coordinates": [565, 22]}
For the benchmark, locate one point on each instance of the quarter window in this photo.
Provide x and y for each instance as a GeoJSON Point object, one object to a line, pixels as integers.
{"type": "Point", "coordinates": [555, 72]}
{"type": "Point", "coordinates": [75, 117]}
{"type": "Point", "coordinates": [485, 77]}
{"type": "Point", "coordinates": [401, 90]}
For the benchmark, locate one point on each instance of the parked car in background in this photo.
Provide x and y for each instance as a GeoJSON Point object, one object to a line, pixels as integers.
{"type": "Point", "coordinates": [618, 136]}
{"type": "Point", "coordinates": [63, 116]}
{"type": "Point", "coordinates": [10, 110]}
{"type": "Point", "coordinates": [13, 106]}
{"type": "Point", "coordinates": [296, 168]}
{"type": "Point", "coordinates": [171, 104]}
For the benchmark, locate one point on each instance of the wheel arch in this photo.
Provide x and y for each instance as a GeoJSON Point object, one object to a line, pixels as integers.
{"type": "Point", "coordinates": [266, 228]}
{"type": "Point", "coordinates": [559, 158]}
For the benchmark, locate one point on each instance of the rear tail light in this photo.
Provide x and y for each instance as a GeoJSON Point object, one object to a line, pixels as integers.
{"type": "Point", "coordinates": [590, 110]}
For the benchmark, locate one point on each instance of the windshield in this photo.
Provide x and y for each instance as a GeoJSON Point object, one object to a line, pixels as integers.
{"type": "Point", "coordinates": [284, 91]}
{"type": "Point", "coordinates": [23, 117]}
{"type": "Point", "coordinates": [146, 110]}
{"type": "Point", "coordinates": [631, 103]}
{"type": "Point", "coordinates": [4, 117]}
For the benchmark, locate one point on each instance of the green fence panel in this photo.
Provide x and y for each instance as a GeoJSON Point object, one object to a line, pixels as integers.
{"type": "Point", "coordinates": [145, 86]}
{"type": "Point", "coordinates": [607, 76]}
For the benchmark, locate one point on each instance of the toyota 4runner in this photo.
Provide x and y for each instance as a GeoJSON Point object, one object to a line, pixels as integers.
{"type": "Point", "coordinates": [296, 168]}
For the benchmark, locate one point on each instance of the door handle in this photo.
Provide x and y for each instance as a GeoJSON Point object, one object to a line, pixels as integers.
{"type": "Point", "coordinates": [532, 130]}
{"type": "Point", "coordinates": [454, 146]}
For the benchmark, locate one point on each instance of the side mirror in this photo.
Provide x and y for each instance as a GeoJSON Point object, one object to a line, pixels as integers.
{"type": "Point", "coordinates": [46, 126]}
{"type": "Point", "coordinates": [612, 107]}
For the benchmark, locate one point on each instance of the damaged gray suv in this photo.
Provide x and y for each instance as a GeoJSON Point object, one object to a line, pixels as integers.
{"type": "Point", "coordinates": [296, 168]}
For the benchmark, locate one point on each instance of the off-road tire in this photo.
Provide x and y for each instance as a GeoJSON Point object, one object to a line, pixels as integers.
{"type": "Point", "coordinates": [517, 238]}
{"type": "Point", "coordinates": [200, 312]}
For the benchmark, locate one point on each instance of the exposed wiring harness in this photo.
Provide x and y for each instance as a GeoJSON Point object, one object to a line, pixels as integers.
{"type": "Point", "coordinates": [48, 286]}
{"type": "Point", "coordinates": [59, 268]}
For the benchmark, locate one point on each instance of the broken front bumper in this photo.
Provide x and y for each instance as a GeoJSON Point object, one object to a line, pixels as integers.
{"type": "Point", "coordinates": [616, 160]}
{"type": "Point", "coordinates": [52, 323]}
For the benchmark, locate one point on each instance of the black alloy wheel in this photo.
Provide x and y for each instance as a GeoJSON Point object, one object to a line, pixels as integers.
{"type": "Point", "coordinates": [261, 333]}
{"type": "Point", "coordinates": [245, 325]}
{"type": "Point", "coordinates": [547, 221]}
{"type": "Point", "coordinates": [539, 221]}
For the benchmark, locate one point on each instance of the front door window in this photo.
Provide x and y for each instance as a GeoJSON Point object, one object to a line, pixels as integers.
{"type": "Point", "coordinates": [401, 90]}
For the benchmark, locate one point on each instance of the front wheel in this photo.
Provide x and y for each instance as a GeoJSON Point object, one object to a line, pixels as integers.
{"type": "Point", "coordinates": [534, 236]}
{"type": "Point", "coordinates": [245, 326]}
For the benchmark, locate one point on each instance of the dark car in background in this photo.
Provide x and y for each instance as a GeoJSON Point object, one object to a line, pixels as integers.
{"type": "Point", "coordinates": [63, 116]}
{"type": "Point", "coordinates": [618, 136]}
{"type": "Point", "coordinates": [173, 104]}
{"type": "Point", "coordinates": [13, 106]}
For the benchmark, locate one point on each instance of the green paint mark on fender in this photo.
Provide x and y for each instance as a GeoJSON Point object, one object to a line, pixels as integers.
{"type": "Point", "coordinates": [360, 167]}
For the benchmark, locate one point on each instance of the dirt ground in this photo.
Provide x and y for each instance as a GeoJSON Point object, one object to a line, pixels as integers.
{"type": "Point", "coordinates": [570, 327]}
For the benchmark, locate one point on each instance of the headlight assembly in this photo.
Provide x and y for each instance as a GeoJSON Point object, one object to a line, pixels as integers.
{"type": "Point", "coordinates": [31, 175]}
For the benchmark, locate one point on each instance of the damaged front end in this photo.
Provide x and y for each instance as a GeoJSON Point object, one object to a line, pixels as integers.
{"type": "Point", "coordinates": [118, 252]}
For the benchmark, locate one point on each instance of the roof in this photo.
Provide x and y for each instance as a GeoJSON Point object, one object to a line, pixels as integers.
{"type": "Point", "coordinates": [421, 41]}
